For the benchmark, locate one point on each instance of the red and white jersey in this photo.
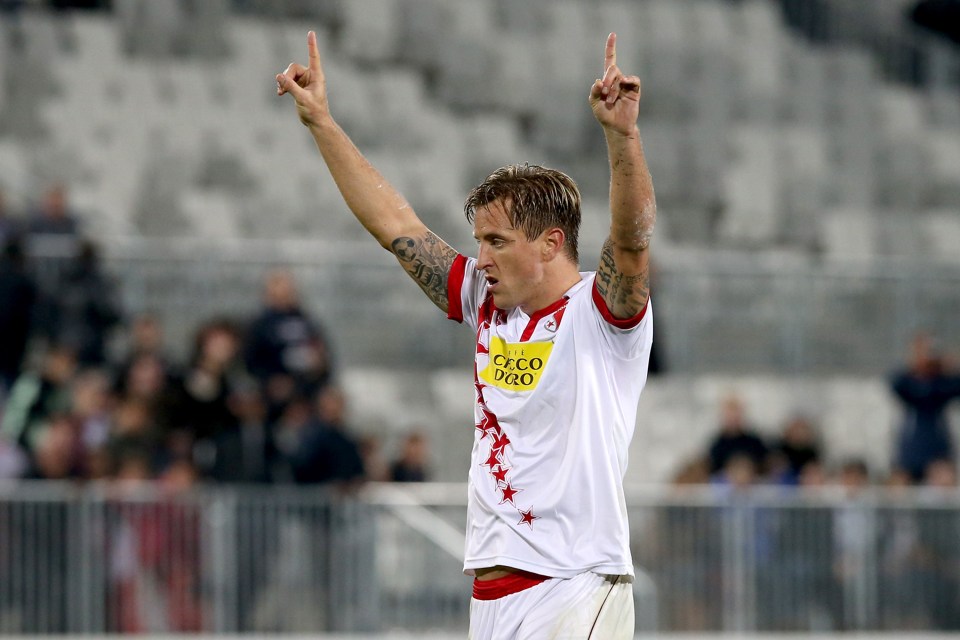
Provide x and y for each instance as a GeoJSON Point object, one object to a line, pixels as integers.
{"type": "Point", "coordinates": [556, 405]}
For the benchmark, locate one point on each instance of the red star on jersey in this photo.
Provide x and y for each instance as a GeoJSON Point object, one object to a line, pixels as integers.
{"type": "Point", "coordinates": [500, 473]}
{"type": "Point", "coordinates": [484, 427]}
{"type": "Point", "coordinates": [527, 517]}
{"type": "Point", "coordinates": [508, 493]}
{"type": "Point", "coordinates": [493, 460]}
{"type": "Point", "coordinates": [488, 424]}
{"type": "Point", "coordinates": [500, 440]}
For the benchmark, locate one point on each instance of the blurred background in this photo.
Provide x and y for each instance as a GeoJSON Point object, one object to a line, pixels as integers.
{"type": "Point", "coordinates": [226, 410]}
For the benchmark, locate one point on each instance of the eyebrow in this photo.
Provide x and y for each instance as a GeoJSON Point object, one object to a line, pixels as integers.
{"type": "Point", "coordinates": [493, 235]}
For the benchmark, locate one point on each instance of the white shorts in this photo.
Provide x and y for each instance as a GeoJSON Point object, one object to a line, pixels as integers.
{"type": "Point", "coordinates": [587, 606]}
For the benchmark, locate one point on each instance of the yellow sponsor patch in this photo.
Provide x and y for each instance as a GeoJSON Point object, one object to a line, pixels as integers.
{"type": "Point", "coordinates": [516, 366]}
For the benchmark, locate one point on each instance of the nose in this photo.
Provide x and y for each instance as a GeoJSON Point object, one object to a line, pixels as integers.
{"type": "Point", "coordinates": [483, 257]}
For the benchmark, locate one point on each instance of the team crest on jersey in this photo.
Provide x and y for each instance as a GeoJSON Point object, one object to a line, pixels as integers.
{"type": "Point", "coordinates": [515, 366]}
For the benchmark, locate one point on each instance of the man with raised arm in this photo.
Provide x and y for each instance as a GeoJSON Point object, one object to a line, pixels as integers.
{"type": "Point", "coordinates": [561, 358]}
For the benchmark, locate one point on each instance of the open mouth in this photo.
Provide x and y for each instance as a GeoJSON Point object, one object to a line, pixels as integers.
{"type": "Point", "coordinates": [491, 283]}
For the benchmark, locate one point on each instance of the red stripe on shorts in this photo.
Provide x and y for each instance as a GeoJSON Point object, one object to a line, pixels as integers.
{"type": "Point", "coordinates": [505, 586]}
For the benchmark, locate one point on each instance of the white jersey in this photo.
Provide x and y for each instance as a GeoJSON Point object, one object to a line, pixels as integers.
{"type": "Point", "coordinates": [556, 405]}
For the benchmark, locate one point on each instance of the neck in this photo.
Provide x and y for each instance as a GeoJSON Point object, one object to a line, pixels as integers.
{"type": "Point", "coordinates": [552, 288]}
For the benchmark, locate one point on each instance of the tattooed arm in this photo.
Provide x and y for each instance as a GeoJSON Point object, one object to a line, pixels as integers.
{"type": "Point", "coordinates": [380, 208]}
{"type": "Point", "coordinates": [427, 259]}
{"type": "Point", "coordinates": [623, 277]}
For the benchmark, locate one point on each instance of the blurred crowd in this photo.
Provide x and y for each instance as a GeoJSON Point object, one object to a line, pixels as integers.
{"type": "Point", "coordinates": [864, 548]}
{"type": "Point", "coordinates": [256, 401]}
{"type": "Point", "coordinates": [924, 452]}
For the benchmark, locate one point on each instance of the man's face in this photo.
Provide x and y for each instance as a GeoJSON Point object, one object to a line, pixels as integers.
{"type": "Point", "coordinates": [512, 265]}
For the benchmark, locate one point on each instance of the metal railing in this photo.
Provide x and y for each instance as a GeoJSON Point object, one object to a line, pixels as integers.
{"type": "Point", "coordinates": [123, 559]}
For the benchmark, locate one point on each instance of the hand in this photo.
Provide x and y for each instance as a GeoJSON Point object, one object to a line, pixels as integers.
{"type": "Point", "coordinates": [307, 85]}
{"type": "Point", "coordinates": [615, 99]}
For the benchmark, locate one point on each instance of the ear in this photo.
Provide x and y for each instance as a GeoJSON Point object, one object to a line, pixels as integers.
{"type": "Point", "coordinates": [553, 241]}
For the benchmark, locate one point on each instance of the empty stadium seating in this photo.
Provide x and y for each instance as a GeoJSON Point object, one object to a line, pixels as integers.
{"type": "Point", "coordinates": [730, 73]}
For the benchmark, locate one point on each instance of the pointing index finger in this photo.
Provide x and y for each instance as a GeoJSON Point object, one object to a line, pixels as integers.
{"type": "Point", "coordinates": [610, 52]}
{"type": "Point", "coordinates": [313, 51]}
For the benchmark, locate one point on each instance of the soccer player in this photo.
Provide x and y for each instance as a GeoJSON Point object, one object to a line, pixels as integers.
{"type": "Point", "coordinates": [561, 358]}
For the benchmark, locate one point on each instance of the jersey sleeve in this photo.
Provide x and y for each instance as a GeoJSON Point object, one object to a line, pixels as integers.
{"type": "Point", "coordinates": [627, 337]}
{"type": "Point", "coordinates": [465, 291]}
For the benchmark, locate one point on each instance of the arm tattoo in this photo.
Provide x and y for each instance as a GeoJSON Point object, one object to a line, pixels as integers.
{"type": "Point", "coordinates": [427, 260]}
{"type": "Point", "coordinates": [625, 295]}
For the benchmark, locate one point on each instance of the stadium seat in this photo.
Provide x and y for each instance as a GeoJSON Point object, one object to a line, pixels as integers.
{"type": "Point", "coordinates": [899, 235]}
{"type": "Point", "coordinates": [802, 155]}
{"type": "Point", "coordinates": [848, 235]}
{"type": "Point", "coordinates": [903, 172]}
{"type": "Point", "coordinates": [369, 30]}
{"type": "Point", "coordinates": [96, 41]}
{"type": "Point", "coordinates": [420, 24]}
{"type": "Point", "coordinates": [519, 82]}
{"type": "Point", "coordinates": [943, 108]}
{"type": "Point", "coordinates": [212, 212]}
{"type": "Point", "coordinates": [762, 54]}
{"type": "Point", "coordinates": [521, 18]}
{"type": "Point", "coordinates": [375, 396]}
{"type": "Point", "coordinates": [15, 178]}
{"type": "Point", "coordinates": [751, 189]}
{"type": "Point", "coordinates": [467, 67]}
{"type": "Point", "coordinates": [941, 229]}
{"type": "Point", "coordinates": [943, 156]}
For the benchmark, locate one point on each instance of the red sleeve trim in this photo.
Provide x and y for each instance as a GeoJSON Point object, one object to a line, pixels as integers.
{"type": "Point", "coordinates": [454, 286]}
{"type": "Point", "coordinates": [619, 323]}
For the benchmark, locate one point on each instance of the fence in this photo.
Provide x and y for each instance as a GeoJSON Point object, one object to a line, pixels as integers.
{"type": "Point", "coordinates": [126, 558]}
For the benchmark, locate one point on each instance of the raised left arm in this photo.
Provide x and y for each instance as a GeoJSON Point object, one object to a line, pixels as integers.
{"type": "Point", "coordinates": [623, 276]}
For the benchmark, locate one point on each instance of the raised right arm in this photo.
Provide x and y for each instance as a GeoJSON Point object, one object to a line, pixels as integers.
{"type": "Point", "coordinates": [380, 208]}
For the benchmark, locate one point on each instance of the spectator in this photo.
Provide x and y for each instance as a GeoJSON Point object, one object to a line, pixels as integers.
{"type": "Point", "coordinates": [925, 388]}
{"type": "Point", "coordinates": [739, 473]}
{"type": "Point", "coordinates": [287, 433]}
{"type": "Point", "coordinates": [735, 437]}
{"type": "Point", "coordinates": [797, 447]}
{"type": "Point", "coordinates": [375, 466]}
{"type": "Point", "coordinates": [326, 452]}
{"type": "Point", "coordinates": [687, 546]}
{"type": "Point", "coordinates": [695, 471]}
{"type": "Point", "coordinates": [853, 530]}
{"type": "Point", "coordinates": [132, 429]}
{"type": "Point", "coordinates": [940, 474]}
{"type": "Point", "coordinates": [58, 452]}
{"type": "Point", "coordinates": [85, 308]}
{"type": "Point", "coordinates": [18, 294]}
{"type": "Point", "coordinates": [146, 379]}
{"type": "Point", "coordinates": [10, 228]}
{"type": "Point", "coordinates": [805, 584]}
{"type": "Point", "coordinates": [36, 397]}
{"type": "Point", "coordinates": [938, 16]}
{"type": "Point", "coordinates": [902, 602]}
{"type": "Point", "coordinates": [286, 350]}
{"type": "Point", "coordinates": [145, 338]}
{"type": "Point", "coordinates": [91, 405]}
{"type": "Point", "coordinates": [412, 463]}
{"type": "Point", "coordinates": [203, 410]}
{"type": "Point", "coordinates": [812, 476]}
{"type": "Point", "coordinates": [244, 453]}
{"type": "Point", "coordinates": [53, 216]}
{"type": "Point", "coordinates": [938, 533]}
